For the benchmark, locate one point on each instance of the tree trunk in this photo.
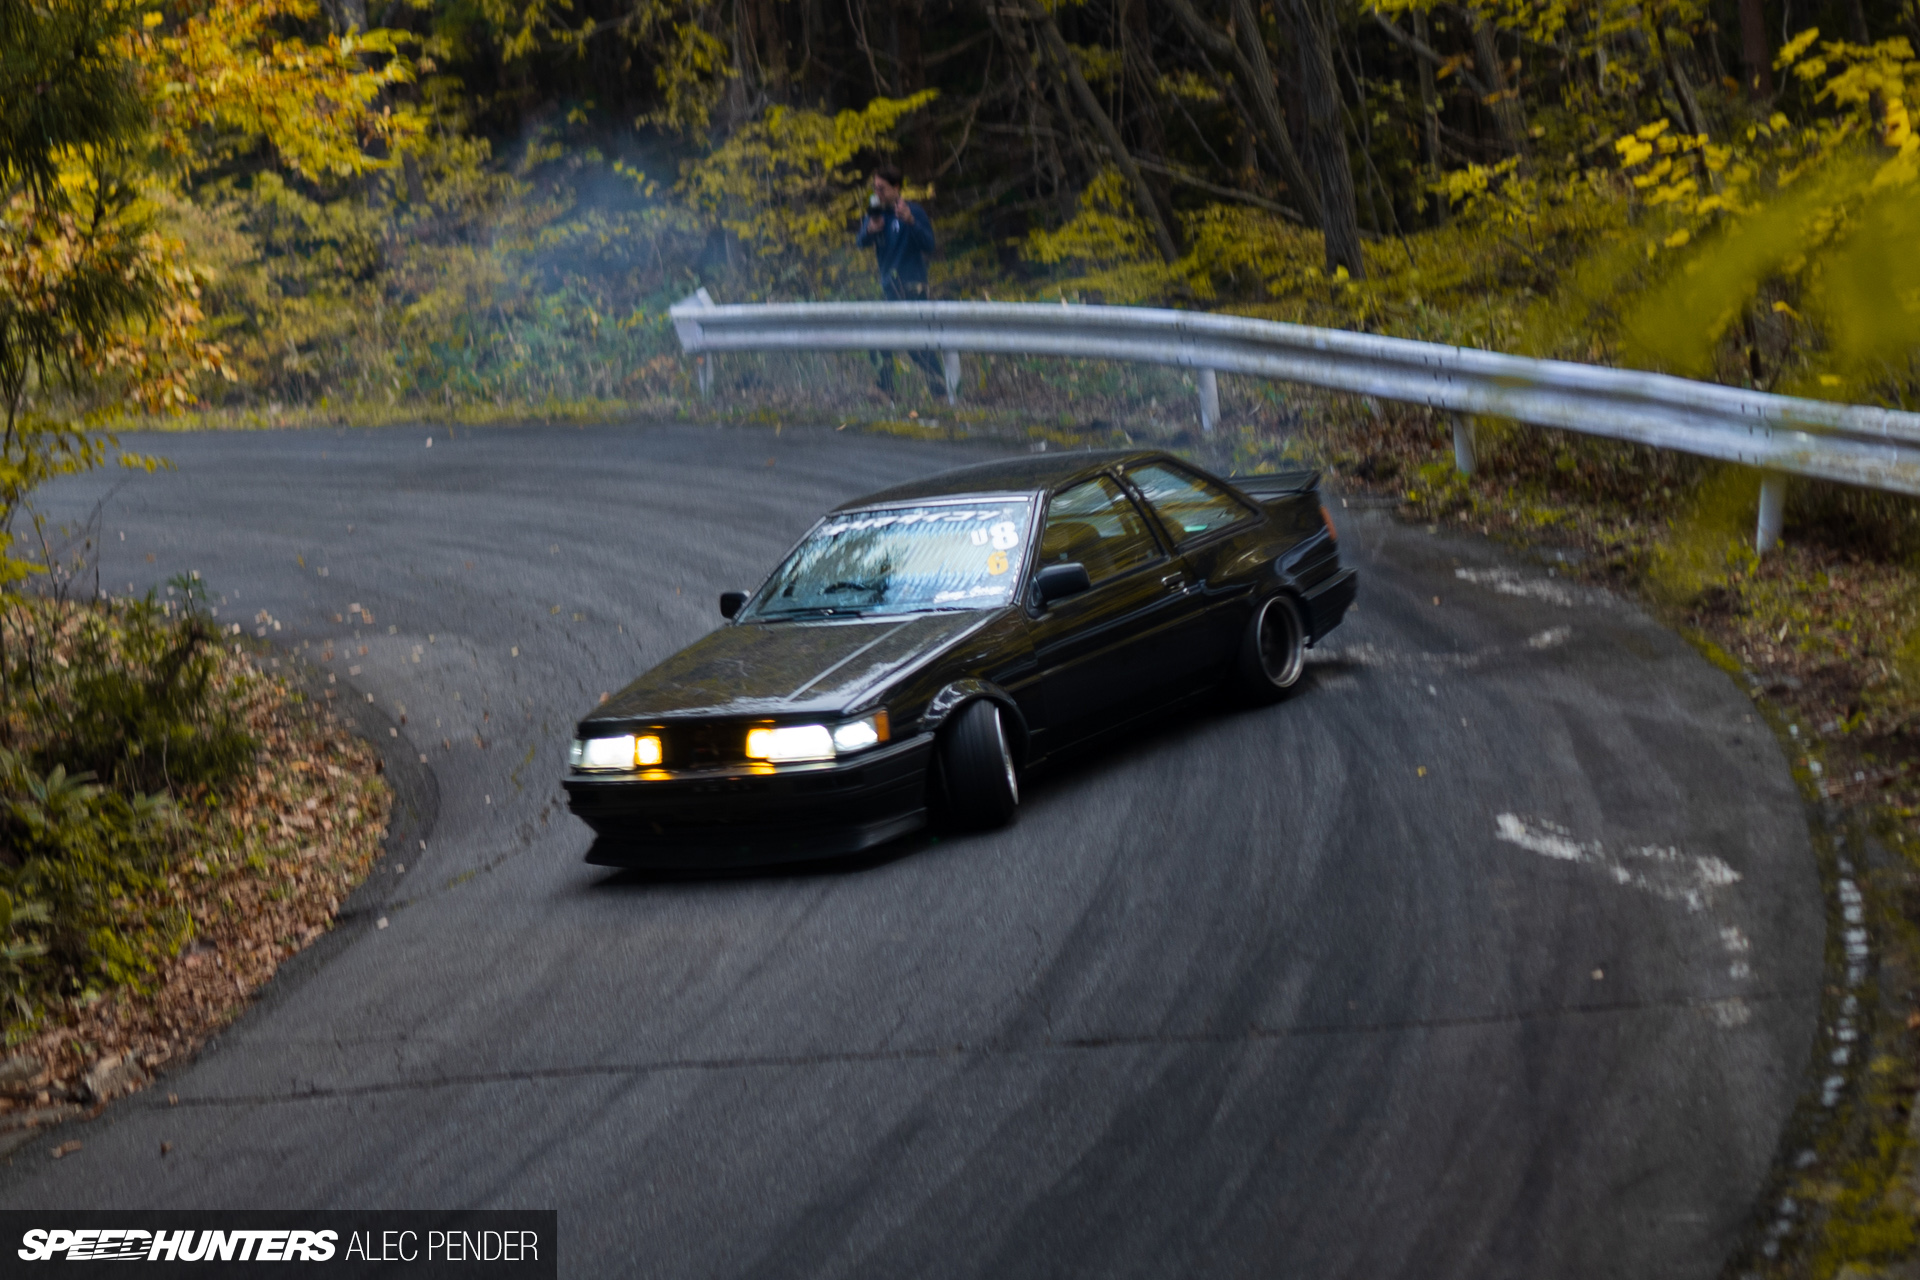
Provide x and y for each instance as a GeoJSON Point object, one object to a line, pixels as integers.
{"type": "Point", "coordinates": [1139, 47]}
{"type": "Point", "coordinates": [1096, 115]}
{"type": "Point", "coordinates": [1260, 81]}
{"type": "Point", "coordinates": [1429, 98]}
{"type": "Point", "coordinates": [772, 42]}
{"type": "Point", "coordinates": [346, 15]}
{"type": "Point", "coordinates": [1690, 117]}
{"type": "Point", "coordinates": [923, 145]}
{"type": "Point", "coordinates": [1506, 103]}
{"type": "Point", "coordinates": [1325, 134]}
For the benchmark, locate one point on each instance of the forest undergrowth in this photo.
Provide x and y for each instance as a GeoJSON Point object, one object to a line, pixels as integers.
{"type": "Point", "coordinates": [175, 821]}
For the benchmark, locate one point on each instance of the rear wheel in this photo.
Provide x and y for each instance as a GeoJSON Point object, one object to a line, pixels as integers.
{"type": "Point", "coordinates": [1274, 651]}
{"type": "Point", "coordinates": [982, 787]}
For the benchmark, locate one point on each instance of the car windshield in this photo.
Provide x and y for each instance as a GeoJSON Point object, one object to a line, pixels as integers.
{"type": "Point", "coordinates": [901, 560]}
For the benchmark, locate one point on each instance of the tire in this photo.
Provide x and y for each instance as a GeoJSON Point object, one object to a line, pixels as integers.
{"type": "Point", "coordinates": [1274, 651]}
{"type": "Point", "coordinates": [983, 788]}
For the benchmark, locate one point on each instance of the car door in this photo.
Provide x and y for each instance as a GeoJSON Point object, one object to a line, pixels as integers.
{"type": "Point", "coordinates": [1205, 523]}
{"type": "Point", "coordinates": [1091, 648]}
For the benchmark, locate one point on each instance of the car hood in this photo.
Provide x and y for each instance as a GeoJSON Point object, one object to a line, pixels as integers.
{"type": "Point", "coordinates": [785, 667]}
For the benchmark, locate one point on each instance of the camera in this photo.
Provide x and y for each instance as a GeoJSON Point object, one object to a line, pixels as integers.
{"type": "Point", "coordinates": [875, 208]}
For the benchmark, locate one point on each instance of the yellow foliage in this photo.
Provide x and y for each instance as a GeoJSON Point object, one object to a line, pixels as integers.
{"type": "Point", "coordinates": [1108, 247]}
{"type": "Point", "coordinates": [783, 185]}
{"type": "Point", "coordinates": [1189, 85]}
{"type": "Point", "coordinates": [1821, 209]}
{"type": "Point", "coordinates": [221, 75]}
{"type": "Point", "coordinates": [1099, 64]}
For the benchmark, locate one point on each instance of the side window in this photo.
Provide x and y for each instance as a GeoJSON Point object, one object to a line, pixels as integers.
{"type": "Point", "coordinates": [1096, 524]}
{"type": "Point", "coordinates": [1188, 505]}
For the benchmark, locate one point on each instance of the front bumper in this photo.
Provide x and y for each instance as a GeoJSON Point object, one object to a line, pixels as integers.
{"type": "Point", "coordinates": [751, 815]}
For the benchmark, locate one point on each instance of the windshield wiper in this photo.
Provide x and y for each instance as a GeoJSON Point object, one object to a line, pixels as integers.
{"type": "Point", "coordinates": [817, 611]}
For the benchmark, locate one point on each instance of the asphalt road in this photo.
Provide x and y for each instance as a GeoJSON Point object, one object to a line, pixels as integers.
{"type": "Point", "coordinates": [1496, 952]}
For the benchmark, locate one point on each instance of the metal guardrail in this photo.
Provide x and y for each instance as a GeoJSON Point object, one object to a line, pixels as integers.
{"type": "Point", "coordinates": [1781, 435]}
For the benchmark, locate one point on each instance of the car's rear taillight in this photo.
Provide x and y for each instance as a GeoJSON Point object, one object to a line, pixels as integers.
{"type": "Point", "coordinates": [1326, 518]}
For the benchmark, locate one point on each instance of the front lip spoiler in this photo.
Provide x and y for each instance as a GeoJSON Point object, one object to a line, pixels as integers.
{"type": "Point", "coordinates": [734, 848]}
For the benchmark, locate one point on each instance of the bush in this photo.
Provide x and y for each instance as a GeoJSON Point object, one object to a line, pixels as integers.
{"type": "Point", "coordinates": [138, 709]}
{"type": "Point", "coordinates": [83, 883]}
{"type": "Point", "coordinates": [122, 738]}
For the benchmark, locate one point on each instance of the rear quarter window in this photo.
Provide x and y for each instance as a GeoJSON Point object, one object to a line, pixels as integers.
{"type": "Point", "coordinates": [1189, 506]}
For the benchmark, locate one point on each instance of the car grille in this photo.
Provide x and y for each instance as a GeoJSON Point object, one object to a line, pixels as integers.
{"type": "Point", "coordinates": [706, 745]}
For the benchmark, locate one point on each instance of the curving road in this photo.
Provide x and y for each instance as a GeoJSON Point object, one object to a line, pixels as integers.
{"type": "Point", "coordinates": [1494, 953]}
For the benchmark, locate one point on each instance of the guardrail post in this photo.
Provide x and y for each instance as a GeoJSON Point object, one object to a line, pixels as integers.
{"type": "Point", "coordinates": [950, 365]}
{"type": "Point", "coordinates": [1209, 400]}
{"type": "Point", "coordinates": [1773, 511]}
{"type": "Point", "coordinates": [704, 365]}
{"type": "Point", "coordinates": [1463, 460]}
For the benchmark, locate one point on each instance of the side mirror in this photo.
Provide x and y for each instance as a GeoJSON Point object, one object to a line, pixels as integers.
{"type": "Point", "coordinates": [731, 602]}
{"type": "Point", "coordinates": [1058, 581]}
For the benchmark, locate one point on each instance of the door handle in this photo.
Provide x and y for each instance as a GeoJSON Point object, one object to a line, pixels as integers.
{"type": "Point", "coordinates": [1177, 582]}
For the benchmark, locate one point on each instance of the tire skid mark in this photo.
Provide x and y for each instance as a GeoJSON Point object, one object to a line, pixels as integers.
{"type": "Point", "coordinates": [1254, 1035]}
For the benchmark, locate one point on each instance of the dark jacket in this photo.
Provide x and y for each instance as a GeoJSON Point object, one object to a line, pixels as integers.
{"type": "Point", "coordinates": [900, 250]}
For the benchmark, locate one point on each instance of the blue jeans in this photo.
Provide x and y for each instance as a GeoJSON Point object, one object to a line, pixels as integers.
{"type": "Point", "coordinates": [897, 290]}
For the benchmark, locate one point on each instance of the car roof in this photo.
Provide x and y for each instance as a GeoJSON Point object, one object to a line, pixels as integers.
{"type": "Point", "coordinates": [1019, 474]}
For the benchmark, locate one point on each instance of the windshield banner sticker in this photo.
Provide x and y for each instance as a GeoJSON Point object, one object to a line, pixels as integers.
{"type": "Point", "coordinates": [875, 563]}
{"type": "Point", "coordinates": [901, 519]}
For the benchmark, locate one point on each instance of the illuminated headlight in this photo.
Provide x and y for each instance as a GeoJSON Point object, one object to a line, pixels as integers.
{"type": "Point", "coordinates": [858, 735]}
{"type": "Point", "coordinates": [786, 743]}
{"type": "Point", "coordinates": [790, 742]}
{"type": "Point", "coordinates": [628, 751]}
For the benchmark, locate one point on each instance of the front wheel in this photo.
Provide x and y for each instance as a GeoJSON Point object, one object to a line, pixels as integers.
{"type": "Point", "coordinates": [1274, 651]}
{"type": "Point", "coordinates": [982, 787]}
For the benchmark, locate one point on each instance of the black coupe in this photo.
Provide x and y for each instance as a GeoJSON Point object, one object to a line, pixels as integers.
{"type": "Point", "coordinates": [921, 647]}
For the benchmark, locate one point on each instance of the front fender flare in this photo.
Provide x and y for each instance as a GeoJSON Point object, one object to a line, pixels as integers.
{"type": "Point", "coordinates": [961, 692]}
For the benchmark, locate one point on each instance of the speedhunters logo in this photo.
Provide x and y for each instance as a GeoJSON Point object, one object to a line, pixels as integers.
{"type": "Point", "coordinates": [101, 1244]}
{"type": "Point", "coordinates": [506, 1244]}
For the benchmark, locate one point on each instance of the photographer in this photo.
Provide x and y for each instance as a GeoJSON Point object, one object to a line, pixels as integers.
{"type": "Point", "coordinates": [901, 235]}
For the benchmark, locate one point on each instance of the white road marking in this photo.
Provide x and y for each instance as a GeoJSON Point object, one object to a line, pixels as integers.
{"type": "Point", "coordinates": [1729, 1013]}
{"type": "Point", "coordinates": [1660, 870]}
{"type": "Point", "coordinates": [1367, 654]}
{"type": "Point", "coordinates": [1663, 871]}
{"type": "Point", "coordinates": [1509, 582]}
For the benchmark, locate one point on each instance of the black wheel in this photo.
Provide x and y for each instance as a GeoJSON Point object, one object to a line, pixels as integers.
{"type": "Point", "coordinates": [982, 788]}
{"type": "Point", "coordinates": [1274, 651]}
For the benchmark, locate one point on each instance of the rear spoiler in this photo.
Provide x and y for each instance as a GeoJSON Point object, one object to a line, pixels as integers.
{"type": "Point", "coordinates": [1266, 486]}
